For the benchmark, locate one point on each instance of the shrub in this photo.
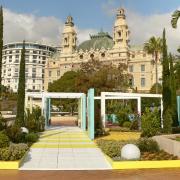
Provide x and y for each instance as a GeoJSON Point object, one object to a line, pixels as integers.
{"type": "Point", "coordinates": [127, 124]}
{"type": "Point", "coordinates": [4, 154]}
{"type": "Point", "coordinates": [17, 151]}
{"type": "Point", "coordinates": [147, 145]}
{"type": "Point", "coordinates": [31, 137]}
{"type": "Point", "coordinates": [34, 121]}
{"type": "Point", "coordinates": [134, 125]}
{"type": "Point", "coordinates": [15, 134]}
{"type": "Point", "coordinates": [13, 152]}
{"type": "Point", "coordinates": [122, 117]}
{"type": "Point", "coordinates": [150, 123]}
{"type": "Point", "coordinates": [4, 140]}
{"type": "Point", "coordinates": [112, 148]}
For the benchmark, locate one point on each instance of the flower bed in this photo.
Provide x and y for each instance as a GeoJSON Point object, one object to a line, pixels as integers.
{"type": "Point", "coordinates": [151, 156]}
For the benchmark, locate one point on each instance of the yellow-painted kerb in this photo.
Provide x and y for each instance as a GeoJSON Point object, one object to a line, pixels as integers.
{"type": "Point", "coordinates": [9, 164]}
{"type": "Point", "coordinates": [64, 146]}
{"type": "Point", "coordinates": [143, 164]}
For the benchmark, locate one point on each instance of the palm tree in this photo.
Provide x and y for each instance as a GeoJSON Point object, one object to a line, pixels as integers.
{"type": "Point", "coordinates": [175, 17]}
{"type": "Point", "coordinates": [154, 46]}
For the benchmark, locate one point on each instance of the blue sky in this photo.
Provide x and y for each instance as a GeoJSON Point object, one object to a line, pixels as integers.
{"type": "Point", "coordinates": [88, 13]}
{"type": "Point", "coordinates": [43, 20]}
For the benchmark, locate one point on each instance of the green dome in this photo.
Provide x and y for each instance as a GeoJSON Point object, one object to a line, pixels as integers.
{"type": "Point", "coordinates": [101, 40]}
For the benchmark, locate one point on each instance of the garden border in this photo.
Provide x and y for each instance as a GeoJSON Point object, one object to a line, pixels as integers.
{"type": "Point", "coordinates": [143, 164]}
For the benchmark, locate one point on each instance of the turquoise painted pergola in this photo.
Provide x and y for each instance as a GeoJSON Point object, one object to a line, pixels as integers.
{"type": "Point", "coordinates": [85, 110]}
{"type": "Point", "coordinates": [86, 105]}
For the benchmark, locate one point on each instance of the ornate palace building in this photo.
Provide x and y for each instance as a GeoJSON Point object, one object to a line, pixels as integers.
{"type": "Point", "coordinates": [106, 49]}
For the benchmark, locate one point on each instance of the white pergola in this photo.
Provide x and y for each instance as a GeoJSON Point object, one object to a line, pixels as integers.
{"type": "Point", "coordinates": [118, 95]}
{"type": "Point", "coordinates": [45, 100]}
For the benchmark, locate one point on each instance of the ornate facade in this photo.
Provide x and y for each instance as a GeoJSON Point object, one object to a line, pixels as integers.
{"type": "Point", "coordinates": [104, 48]}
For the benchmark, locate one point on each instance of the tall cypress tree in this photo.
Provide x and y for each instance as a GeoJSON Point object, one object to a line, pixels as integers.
{"type": "Point", "coordinates": [1, 46]}
{"type": "Point", "coordinates": [166, 92]}
{"type": "Point", "coordinates": [21, 89]}
{"type": "Point", "coordinates": [173, 92]}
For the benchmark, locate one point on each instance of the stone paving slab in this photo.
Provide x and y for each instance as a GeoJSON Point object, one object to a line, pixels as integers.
{"type": "Point", "coordinates": [65, 148]}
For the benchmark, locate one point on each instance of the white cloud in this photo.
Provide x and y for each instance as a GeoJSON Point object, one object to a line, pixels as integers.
{"type": "Point", "coordinates": [48, 30]}
{"type": "Point", "coordinates": [143, 27]}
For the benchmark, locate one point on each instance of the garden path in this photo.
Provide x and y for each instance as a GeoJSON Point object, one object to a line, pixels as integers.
{"type": "Point", "coordinates": [64, 148]}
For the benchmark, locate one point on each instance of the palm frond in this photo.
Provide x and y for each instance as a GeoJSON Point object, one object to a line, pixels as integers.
{"type": "Point", "coordinates": [175, 17]}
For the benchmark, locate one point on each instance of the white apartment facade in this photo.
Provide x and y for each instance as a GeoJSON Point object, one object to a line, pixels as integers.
{"type": "Point", "coordinates": [36, 56]}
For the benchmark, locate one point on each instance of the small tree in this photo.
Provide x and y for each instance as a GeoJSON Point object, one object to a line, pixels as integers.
{"type": "Point", "coordinates": [150, 123]}
{"type": "Point", "coordinates": [173, 93]}
{"type": "Point", "coordinates": [21, 90]}
{"type": "Point", "coordinates": [166, 92]}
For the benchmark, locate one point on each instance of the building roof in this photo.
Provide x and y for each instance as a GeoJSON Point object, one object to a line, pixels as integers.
{"type": "Point", "coordinates": [98, 41]}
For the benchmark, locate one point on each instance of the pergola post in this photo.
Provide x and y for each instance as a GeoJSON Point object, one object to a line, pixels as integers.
{"type": "Point", "coordinates": [31, 104]}
{"type": "Point", "coordinates": [162, 113]}
{"type": "Point", "coordinates": [139, 110]}
{"type": "Point", "coordinates": [79, 112]}
{"type": "Point", "coordinates": [103, 109]}
{"type": "Point", "coordinates": [49, 109]}
{"type": "Point", "coordinates": [83, 110]}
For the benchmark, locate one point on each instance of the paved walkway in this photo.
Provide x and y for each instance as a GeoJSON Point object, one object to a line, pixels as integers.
{"type": "Point", "coordinates": [65, 148]}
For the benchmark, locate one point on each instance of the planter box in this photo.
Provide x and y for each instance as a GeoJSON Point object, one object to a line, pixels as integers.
{"type": "Point", "coordinates": [143, 164]}
{"type": "Point", "coordinates": [167, 144]}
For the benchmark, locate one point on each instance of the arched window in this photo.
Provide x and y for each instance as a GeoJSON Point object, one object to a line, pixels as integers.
{"type": "Point", "coordinates": [119, 33]}
{"type": "Point", "coordinates": [103, 55]}
{"type": "Point", "coordinates": [81, 56]}
{"type": "Point", "coordinates": [65, 40]}
{"type": "Point", "coordinates": [92, 56]}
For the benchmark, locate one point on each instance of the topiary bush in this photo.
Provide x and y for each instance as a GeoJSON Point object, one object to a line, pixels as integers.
{"type": "Point", "coordinates": [148, 145]}
{"type": "Point", "coordinates": [4, 140]}
{"type": "Point", "coordinates": [127, 124]}
{"type": "Point", "coordinates": [31, 137]}
{"type": "Point", "coordinates": [150, 123]}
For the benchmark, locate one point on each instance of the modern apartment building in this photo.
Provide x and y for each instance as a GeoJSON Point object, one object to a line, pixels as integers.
{"type": "Point", "coordinates": [35, 57]}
